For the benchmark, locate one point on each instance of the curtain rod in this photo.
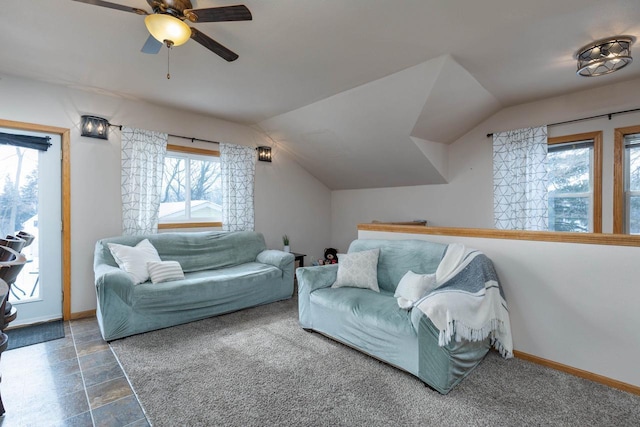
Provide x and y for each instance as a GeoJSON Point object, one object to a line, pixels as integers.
{"type": "Point", "coordinates": [193, 139]}
{"type": "Point", "coordinates": [609, 115]}
{"type": "Point", "coordinates": [175, 136]}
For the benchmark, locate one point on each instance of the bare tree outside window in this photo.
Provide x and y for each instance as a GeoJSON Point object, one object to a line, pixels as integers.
{"type": "Point", "coordinates": [633, 192]}
{"type": "Point", "coordinates": [173, 182]}
{"type": "Point", "coordinates": [191, 190]}
{"type": "Point", "coordinates": [19, 211]}
{"type": "Point", "coordinates": [570, 189]}
{"type": "Point", "coordinates": [19, 197]}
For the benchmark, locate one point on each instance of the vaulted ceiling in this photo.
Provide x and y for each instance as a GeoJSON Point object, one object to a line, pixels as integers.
{"type": "Point", "coordinates": [374, 88]}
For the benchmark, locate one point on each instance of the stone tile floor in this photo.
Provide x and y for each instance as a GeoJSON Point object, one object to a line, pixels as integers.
{"type": "Point", "coordinates": [73, 381]}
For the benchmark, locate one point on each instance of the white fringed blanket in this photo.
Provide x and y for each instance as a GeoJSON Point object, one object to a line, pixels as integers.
{"type": "Point", "coordinates": [468, 302]}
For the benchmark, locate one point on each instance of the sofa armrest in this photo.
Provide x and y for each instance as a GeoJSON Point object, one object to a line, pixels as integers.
{"type": "Point", "coordinates": [309, 280]}
{"type": "Point", "coordinates": [113, 279]}
{"type": "Point", "coordinates": [312, 278]}
{"type": "Point", "coordinates": [276, 258]}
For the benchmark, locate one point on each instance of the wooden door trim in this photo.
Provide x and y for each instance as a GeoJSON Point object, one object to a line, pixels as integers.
{"type": "Point", "coordinates": [65, 140]}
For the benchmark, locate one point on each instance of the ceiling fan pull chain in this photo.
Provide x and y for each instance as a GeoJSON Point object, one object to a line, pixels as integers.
{"type": "Point", "coordinates": [168, 57]}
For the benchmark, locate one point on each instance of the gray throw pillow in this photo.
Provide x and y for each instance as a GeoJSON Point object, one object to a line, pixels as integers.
{"type": "Point", "coordinates": [358, 270]}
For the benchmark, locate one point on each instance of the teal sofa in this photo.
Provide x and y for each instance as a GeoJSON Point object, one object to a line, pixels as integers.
{"type": "Point", "coordinates": [223, 272]}
{"type": "Point", "coordinates": [373, 323]}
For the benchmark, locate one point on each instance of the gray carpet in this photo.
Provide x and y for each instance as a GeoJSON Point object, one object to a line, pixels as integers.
{"type": "Point", "coordinates": [258, 367]}
{"type": "Point", "coordinates": [35, 334]}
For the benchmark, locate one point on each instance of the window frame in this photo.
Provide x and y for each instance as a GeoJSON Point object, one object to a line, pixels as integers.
{"type": "Point", "coordinates": [619, 162]}
{"type": "Point", "coordinates": [192, 224]}
{"type": "Point", "coordinates": [596, 197]}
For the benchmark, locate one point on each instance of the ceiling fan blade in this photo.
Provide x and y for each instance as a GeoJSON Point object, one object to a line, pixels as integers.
{"type": "Point", "coordinates": [114, 6]}
{"type": "Point", "coordinates": [213, 45]}
{"type": "Point", "coordinates": [219, 14]}
{"type": "Point", "coordinates": [151, 46]}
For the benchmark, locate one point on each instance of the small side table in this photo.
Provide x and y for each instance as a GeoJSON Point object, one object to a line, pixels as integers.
{"type": "Point", "coordinates": [299, 258]}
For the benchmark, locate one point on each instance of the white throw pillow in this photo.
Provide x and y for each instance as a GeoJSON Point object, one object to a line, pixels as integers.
{"type": "Point", "coordinates": [358, 270]}
{"type": "Point", "coordinates": [134, 259]}
{"type": "Point", "coordinates": [165, 271]}
{"type": "Point", "coordinates": [412, 287]}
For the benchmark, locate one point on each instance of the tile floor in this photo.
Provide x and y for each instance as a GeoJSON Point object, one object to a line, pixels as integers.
{"type": "Point", "coordinates": [74, 381]}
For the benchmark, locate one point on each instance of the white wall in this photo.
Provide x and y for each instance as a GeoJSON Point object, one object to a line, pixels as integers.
{"type": "Point", "coordinates": [467, 200]}
{"type": "Point", "coordinates": [288, 199]}
{"type": "Point", "coordinates": [575, 304]}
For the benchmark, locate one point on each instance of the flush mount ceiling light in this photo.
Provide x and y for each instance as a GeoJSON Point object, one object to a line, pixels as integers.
{"type": "Point", "coordinates": [604, 56]}
{"type": "Point", "coordinates": [168, 29]}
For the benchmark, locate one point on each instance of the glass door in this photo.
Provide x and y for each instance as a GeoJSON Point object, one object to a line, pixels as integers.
{"type": "Point", "coordinates": [30, 201]}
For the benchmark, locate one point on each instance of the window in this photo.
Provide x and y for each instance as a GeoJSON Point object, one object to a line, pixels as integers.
{"type": "Point", "coordinates": [191, 192]}
{"type": "Point", "coordinates": [626, 182]}
{"type": "Point", "coordinates": [575, 183]}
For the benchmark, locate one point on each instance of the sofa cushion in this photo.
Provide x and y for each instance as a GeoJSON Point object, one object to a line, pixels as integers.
{"type": "Point", "coordinates": [165, 271]}
{"type": "Point", "coordinates": [358, 270]}
{"type": "Point", "coordinates": [369, 309]}
{"type": "Point", "coordinates": [399, 256]}
{"type": "Point", "coordinates": [412, 287]}
{"type": "Point", "coordinates": [194, 251]}
{"type": "Point", "coordinates": [229, 285]}
{"type": "Point", "coordinates": [134, 259]}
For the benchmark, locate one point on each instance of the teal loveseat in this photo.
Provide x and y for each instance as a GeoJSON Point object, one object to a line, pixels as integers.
{"type": "Point", "coordinates": [373, 323]}
{"type": "Point", "coordinates": [223, 272]}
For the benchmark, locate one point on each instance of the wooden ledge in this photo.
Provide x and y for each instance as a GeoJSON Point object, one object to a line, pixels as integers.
{"type": "Point", "coordinates": [486, 233]}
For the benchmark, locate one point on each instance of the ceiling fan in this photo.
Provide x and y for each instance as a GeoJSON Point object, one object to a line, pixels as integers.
{"type": "Point", "coordinates": [166, 23]}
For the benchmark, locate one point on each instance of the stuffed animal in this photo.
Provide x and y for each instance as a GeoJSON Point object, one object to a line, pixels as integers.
{"type": "Point", "coordinates": [330, 256]}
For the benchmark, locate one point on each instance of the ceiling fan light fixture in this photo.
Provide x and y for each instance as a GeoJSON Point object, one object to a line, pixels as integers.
{"type": "Point", "coordinates": [604, 56]}
{"type": "Point", "coordinates": [165, 27]}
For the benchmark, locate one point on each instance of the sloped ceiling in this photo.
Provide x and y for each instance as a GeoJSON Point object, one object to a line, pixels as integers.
{"type": "Point", "coordinates": [364, 93]}
{"type": "Point", "coordinates": [388, 132]}
{"type": "Point", "coordinates": [456, 102]}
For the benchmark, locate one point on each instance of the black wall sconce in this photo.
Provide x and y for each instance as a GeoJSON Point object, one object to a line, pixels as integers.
{"type": "Point", "coordinates": [264, 154]}
{"type": "Point", "coordinates": [94, 127]}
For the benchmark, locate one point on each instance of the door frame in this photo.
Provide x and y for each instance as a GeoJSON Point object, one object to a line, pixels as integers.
{"type": "Point", "coordinates": [65, 139]}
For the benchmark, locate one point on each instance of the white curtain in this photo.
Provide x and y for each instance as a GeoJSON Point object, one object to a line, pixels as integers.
{"type": "Point", "coordinates": [237, 167]}
{"type": "Point", "coordinates": [520, 179]}
{"type": "Point", "coordinates": [143, 154]}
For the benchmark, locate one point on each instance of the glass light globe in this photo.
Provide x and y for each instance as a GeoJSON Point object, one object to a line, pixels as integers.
{"type": "Point", "coordinates": [165, 27]}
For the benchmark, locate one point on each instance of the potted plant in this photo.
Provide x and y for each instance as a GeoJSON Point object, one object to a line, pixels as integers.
{"type": "Point", "coordinates": [285, 242]}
